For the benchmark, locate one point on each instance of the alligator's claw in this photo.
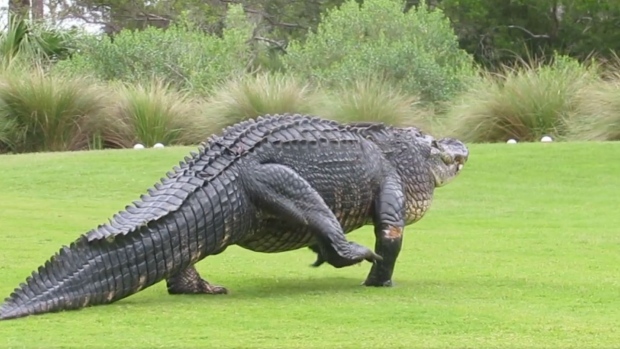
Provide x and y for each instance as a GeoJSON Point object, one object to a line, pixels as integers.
{"type": "Point", "coordinates": [356, 254]}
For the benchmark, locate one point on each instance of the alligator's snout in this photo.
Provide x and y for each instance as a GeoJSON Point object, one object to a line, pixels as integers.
{"type": "Point", "coordinates": [460, 161]}
{"type": "Point", "coordinates": [450, 157]}
{"type": "Point", "coordinates": [455, 149]}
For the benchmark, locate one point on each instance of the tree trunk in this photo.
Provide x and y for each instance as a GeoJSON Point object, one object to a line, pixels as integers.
{"type": "Point", "coordinates": [37, 10]}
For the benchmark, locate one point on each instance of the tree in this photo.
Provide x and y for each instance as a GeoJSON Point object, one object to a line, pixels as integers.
{"type": "Point", "coordinates": [417, 50]}
{"type": "Point", "coordinates": [497, 31]}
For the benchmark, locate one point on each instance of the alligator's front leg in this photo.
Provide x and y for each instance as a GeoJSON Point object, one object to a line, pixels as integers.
{"type": "Point", "coordinates": [389, 224]}
{"type": "Point", "coordinates": [188, 281]}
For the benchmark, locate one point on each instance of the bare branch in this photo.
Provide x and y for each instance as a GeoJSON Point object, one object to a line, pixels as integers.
{"type": "Point", "coordinates": [278, 44]}
{"type": "Point", "coordinates": [535, 36]}
{"type": "Point", "coordinates": [264, 15]}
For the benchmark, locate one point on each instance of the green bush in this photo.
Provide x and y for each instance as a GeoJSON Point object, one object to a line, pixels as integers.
{"type": "Point", "coordinates": [151, 113]}
{"type": "Point", "coordinates": [597, 114]}
{"type": "Point", "coordinates": [251, 96]}
{"type": "Point", "coordinates": [374, 100]}
{"type": "Point", "coordinates": [46, 113]}
{"type": "Point", "coordinates": [182, 55]}
{"type": "Point", "coordinates": [417, 50]}
{"type": "Point", "coordinates": [523, 102]}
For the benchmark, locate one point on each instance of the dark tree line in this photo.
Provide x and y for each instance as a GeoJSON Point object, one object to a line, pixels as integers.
{"type": "Point", "coordinates": [494, 31]}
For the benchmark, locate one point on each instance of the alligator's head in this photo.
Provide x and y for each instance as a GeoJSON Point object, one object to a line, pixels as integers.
{"type": "Point", "coordinates": [447, 158]}
{"type": "Point", "coordinates": [442, 158]}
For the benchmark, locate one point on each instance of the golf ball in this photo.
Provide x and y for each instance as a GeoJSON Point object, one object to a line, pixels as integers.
{"type": "Point", "coordinates": [138, 146]}
{"type": "Point", "coordinates": [546, 139]}
{"type": "Point", "coordinates": [158, 145]}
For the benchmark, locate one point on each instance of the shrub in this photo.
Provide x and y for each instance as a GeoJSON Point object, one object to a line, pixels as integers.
{"type": "Point", "coordinates": [151, 113]}
{"type": "Point", "coordinates": [25, 42]}
{"type": "Point", "coordinates": [417, 50]}
{"type": "Point", "coordinates": [180, 54]}
{"type": "Point", "coordinates": [597, 114]}
{"type": "Point", "coordinates": [46, 113]}
{"type": "Point", "coordinates": [251, 96]}
{"type": "Point", "coordinates": [374, 100]}
{"type": "Point", "coordinates": [523, 102]}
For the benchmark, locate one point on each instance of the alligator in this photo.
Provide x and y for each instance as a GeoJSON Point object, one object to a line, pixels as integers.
{"type": "Point", "coordinates": [277, 183]}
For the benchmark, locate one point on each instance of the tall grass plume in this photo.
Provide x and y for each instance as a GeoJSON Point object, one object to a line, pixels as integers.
{"type": "Point", "coordinates": [375, 100]}
{"type": "Point", "coordinates": [252, 96]}
{"type": "Point", "coordinates": [39, 112]}
{"type": "Point", "coordinates": [152, 113]}
{"type": "Point", "coordinates": [597, 115]}
{"type": "Point", "coordinates": [523, 102]}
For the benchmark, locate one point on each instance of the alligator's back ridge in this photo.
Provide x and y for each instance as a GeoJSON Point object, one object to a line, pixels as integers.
{"type": "Point", "coordinates": [215, 156]}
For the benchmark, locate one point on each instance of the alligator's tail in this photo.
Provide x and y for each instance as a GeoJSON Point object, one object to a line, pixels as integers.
{"type": "Point", "coordinates": [94, 272]}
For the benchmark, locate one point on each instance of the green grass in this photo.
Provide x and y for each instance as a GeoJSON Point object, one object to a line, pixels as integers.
{"type": "Point", "coordinates": [521, 251]}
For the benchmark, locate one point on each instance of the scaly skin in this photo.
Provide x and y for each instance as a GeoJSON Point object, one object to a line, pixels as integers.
{"type": "Point", "coordinates": [275, 184]}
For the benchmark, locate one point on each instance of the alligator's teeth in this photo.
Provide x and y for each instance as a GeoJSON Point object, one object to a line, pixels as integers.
{"type": "Point", "coordinates": [460, 167]}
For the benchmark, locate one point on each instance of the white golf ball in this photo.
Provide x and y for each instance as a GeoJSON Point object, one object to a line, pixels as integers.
{"type": "Point", "coordinates": [158, 145]}
{"type": "Point", "coordinates": [546, 139]}
{"type": "Point", "coordinates": [511, 141]}
{"type": "Point", "coordinates": [138, 146]}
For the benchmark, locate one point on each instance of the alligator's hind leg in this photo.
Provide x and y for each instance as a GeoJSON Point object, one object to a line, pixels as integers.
{"type": "Point", "coordinates": [319, 258]}
{"type": "Point", "coordinates": [188, 281]}
{"type": "Point", "coordinates": [280, 191]}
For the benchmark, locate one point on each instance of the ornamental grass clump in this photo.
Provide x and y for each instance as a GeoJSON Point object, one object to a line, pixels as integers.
{"type": "Point", "coordinates": [524, 102]}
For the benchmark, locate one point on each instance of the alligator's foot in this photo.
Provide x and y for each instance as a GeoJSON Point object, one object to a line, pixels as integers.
{"type": "Point", "coordinates": [188, 281]}
{"type": "Point", "coordinates": [319, 257]}
{"type": "Point", "coordinates": [377, 283]}
{"type": "Point", "coordinates": [355, 254]}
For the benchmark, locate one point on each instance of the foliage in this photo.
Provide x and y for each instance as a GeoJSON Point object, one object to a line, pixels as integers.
{"type": "Point", "coordinates": [492, 31]}
{"type": "Point", "coordinates": [597, 115]}
{"type": "Point", "coordinates": [523, 102]}
{"type": "Point", "coordinates": [182, 54]}
{"type": "Point", "coordinates": [375, 100]}
{"type": "Point", "coordinates": [252, 96]}
{"type": "Point", "coordinates": [285, 20]}
{"type": "Point", "coordinates": [29, 43]}
{"type": "Point", "coordinates": [151, 113]}
{"type": "Point", "coordinates": [416, 50]}
{"type": "Point", "coordinates": [46, 113]}
{"type": "Point", "coordinates": [502, 31]}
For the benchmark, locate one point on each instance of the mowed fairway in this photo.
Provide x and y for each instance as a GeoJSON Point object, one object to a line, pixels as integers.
{"type": "Point", "coordinates": [522, 250]}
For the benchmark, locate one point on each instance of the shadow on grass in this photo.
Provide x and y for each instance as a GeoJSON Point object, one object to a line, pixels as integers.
{"type": "Point", "coordinates": [262, 287]}
{"type": "Point", "coordinates": [259, 288]}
